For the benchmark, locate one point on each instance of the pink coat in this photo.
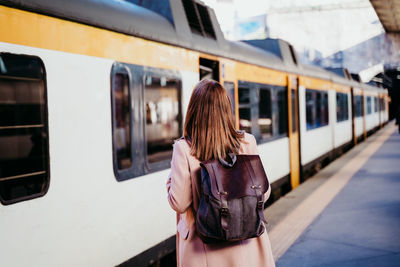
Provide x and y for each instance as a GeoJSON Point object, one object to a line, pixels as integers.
{"type": "Point", "coordinates": [183, 196]}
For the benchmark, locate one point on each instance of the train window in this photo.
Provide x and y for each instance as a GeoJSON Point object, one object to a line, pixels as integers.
{"type": "Point", "coordinates": [244, 109]}
{"type": "Point", "coordinates": [122, 119]}
{"type": "Point", "coordinates": [282, 112]}
{"type": "Point", "coordinates": [24, 156]}
{"type": "Point", "coordinates": [358, 100]}
{"type": "Point", "coordinates": [342, 107]}
{"type": "Point", "coordinates": [294, 108]}
{"type": "Point", "coordinates": [375, 104]}
{"type": "Point", "coordinates": [369, 108]}
{"type": "Point", "coordinates": [265, 113]}
{"type": "Point", "coordinates": [208, 69]}
{"type": "Point", "coordinates": [263, 110]}
{"type": "Point", "coordinates": [324, 109]}
{"type": "Point", "coordinates": [317, 112]}
{"type": "Point", "coordinates": [163, 116]}
{"type": "Point", "coordinates": [230, 89]}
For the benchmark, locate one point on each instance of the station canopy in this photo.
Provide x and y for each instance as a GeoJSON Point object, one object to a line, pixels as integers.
{"type": "Point", "coordinates": [388, 12]}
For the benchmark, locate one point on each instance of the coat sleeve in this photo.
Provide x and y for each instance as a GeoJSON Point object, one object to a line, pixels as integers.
{"type": "Point", "coordinates": [179, 186]}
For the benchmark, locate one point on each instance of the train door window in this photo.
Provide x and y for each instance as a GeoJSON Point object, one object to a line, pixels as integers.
{"type": "Point", "coordinates": [342, 110]}
{"type": "Point", "coordinates": [369, 108]}
{"type": "Point", "coordinates": [244, 109]}
{"type": "Point", "coordinates": [24, 156]}
{"type": "Point", "coordinates": [265, 113]}
{"type": "Point", "coordinates": [230, 89]}
{"type": "Point", "coordinates": [317, 109]}
{"type": "Point", "coordinates": [162, 98]}
{"type": "Point", "coordinates": [375, 104]}
{"type": "Point", "coordinates": [282, 112]}
{"type": "Point", "coordinates": [324, 109]}
{"type": "Point", "coordinates": [358, 99]}
{"type": "Point", "coordinates": [310, 109]}
{"type": "Point", "coordinates": [293, 103]}
{"type": "Point", "coordinates": [122, 118]}
{"type": "Point", "coordinates": [209, 69]}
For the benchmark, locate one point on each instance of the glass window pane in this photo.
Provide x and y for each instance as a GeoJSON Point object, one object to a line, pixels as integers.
{"type": "Point", "coordinates": [318, 117]}
{"type": "Point", "coordinates": [294, 109]}
{"type": "Point", "coordinates": [369, 110]}
{"type": "Point", "coordinates": [324, 109]}
{"type": "Point", "coordinates": [245, 119]}
{"type": "Point", "coordinates": [310, 109]}
{"type": "Point", "coordinates": [282, 112]}
{"type": "Point", "coordinates": [244, 95]}
{"type": "Point", "coordinates": [338, 107]}
{"type": "Point", "coordinates": [342, 109]}
{"type": "Point", "coordinates": [358, 99]}
{"type": "Point", "coordinates": [122, 120]}
{"type": "Point", "coordinates": [23, 129]}
{"type": "Point", "coordinates": [317, 109]}
{"type": "Point", "coordinates": [163, 116]}
{"type": "Point", "coordinates": [264, 113]}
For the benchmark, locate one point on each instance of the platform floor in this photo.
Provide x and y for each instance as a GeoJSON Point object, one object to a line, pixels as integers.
{"type": "Point", "coordinates": [348, 214]}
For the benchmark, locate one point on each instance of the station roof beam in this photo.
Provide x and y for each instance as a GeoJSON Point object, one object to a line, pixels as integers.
{"type": "Point", "coordinates": [388, 12]}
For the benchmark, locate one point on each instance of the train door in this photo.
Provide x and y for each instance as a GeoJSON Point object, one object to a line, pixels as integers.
{"type": "Point", "coordinates": [294, 133]}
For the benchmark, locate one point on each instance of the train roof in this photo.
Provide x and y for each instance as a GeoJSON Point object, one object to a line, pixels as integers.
{"type": "Point", "coordinates": [151, 21]}
{"type": "Point", "coordinates": [131, 19]}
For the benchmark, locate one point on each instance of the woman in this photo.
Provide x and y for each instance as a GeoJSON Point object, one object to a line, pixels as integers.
{"type": "Point", "coordinates": [209, 133]}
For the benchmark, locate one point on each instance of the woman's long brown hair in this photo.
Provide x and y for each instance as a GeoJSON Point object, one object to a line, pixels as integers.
{"type": "Point", "coordinates": [209, 126]}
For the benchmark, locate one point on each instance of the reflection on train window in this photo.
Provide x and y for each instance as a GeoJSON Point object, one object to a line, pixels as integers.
{"type": "Point", "coordinates": [342, 107]}
{"type": "Point", "coordinates": [163, 116]}
{"type": "Point", "coordinates": [265, 113]}
{"type": "Point", "coordinates": [359, 105]}
{"type": "Point", "coordinates": [244, 109]}
{"type": "Point", "coordinates": [317, 112]}
{"type": "Point", "coordinates": [230, 89]}
{"type": "Point", "coordinates": [375, 104]}
{"type": "Point", "coordinates": [282, 112]}
{"type": "Point", "coordinates": [369, 108]}
{"type": "Point", "coordinates": [24, 159]}
{"type": "Point", "coordinates": [122, 119]}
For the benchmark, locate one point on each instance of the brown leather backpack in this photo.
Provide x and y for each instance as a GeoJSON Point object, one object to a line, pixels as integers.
{"type": "Point", "coordinates": [231, 199]}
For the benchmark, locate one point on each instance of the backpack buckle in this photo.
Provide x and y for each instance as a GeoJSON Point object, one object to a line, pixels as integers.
{"type": "Point", "coordinates": [224, 211]}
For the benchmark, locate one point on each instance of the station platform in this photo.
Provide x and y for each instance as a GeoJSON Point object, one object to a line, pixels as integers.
{"type": "Point", "coordinates": [348, 214]}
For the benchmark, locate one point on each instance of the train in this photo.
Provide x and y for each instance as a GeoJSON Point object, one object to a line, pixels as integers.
{"type": "Point", "coordinates": [92, 96]}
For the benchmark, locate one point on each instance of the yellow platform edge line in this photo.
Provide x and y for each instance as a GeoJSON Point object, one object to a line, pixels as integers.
{"type": "Point", "coordinates": [284, 234]}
